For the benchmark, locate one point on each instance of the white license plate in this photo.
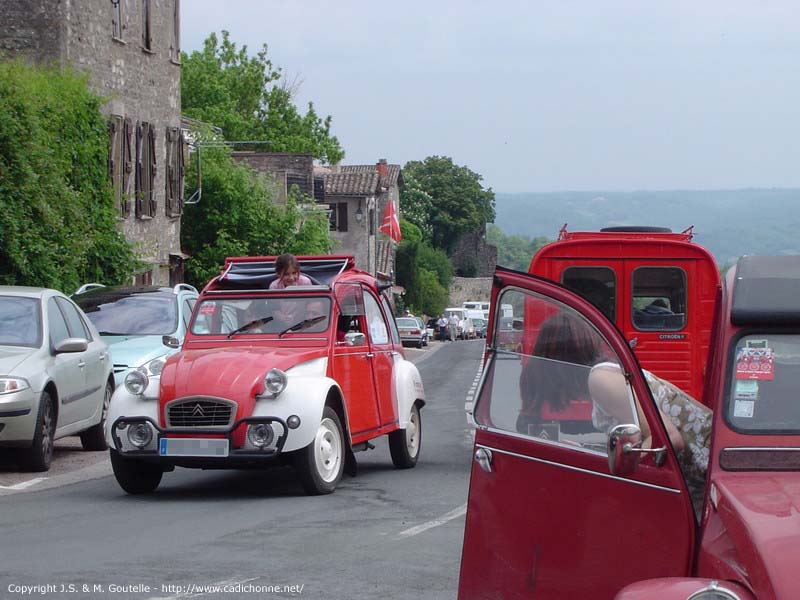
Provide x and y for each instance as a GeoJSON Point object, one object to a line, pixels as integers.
{"type": "Point", "coordinates": [192, 447]}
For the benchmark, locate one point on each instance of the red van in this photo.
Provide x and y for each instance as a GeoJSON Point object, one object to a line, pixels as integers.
{"type": "Point", "coordinates": [564, 513]}
{"type": "Point", "coordinates": [658, 287]}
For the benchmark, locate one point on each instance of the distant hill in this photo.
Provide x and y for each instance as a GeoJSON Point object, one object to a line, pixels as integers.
{"type": "Point", "coordinates": [729, 223]}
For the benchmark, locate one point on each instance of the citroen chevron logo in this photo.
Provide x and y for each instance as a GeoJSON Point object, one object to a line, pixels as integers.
{"type": "Point", "coordinates": [198, 411]}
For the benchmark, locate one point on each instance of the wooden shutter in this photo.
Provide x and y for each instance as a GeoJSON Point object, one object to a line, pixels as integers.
{"type": "Point", "coordinates": [170, 173]}
{"type": "Point", "coordinates": [127, 166]}
{"type": "Point", "coordinates": [151, 141]}
{"type": "Point", "coordinates": [342, 216]}
{"type": "Point", "coordinates": [139, 168]}
{"type": "Point", "coordinates": [112, 144]}
{"type": "Point", "coordinates": [180, 171]}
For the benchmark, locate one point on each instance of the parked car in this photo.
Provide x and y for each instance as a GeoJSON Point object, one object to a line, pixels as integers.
{"type": "Point", "coordinates": [140, 324]}
{"type": "Point", "coordinates": [304, 375]}
{"type": "Point", "coordinates": [620, 516]}
{"type": "Point", "coordinates": [428, 331]}
{"type": "Point", "coordinates": [55, 375]}
{"type": "Point", "coordinates": [466, 329]}
{"type": "Point", "coordinates": [478, 322]}
{"type": "Point", "coordinates": [411, 332]}
{"type": "Point", "coordinates": [432, 327]}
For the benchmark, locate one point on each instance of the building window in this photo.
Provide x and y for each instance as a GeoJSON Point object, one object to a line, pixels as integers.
{"type": "Point", "coordinates": [145, 170]}
{"type": "Point", "coordinates": [372, 220]}
{"type": "Point", "coordinates": [147, 27]}
{"type": "Point", "coordinates": [116, 19]}
{"type": "Point", "coordinates": [175, 46]}
{"type": "Point", "coordinates": [175, 173]}
{"type": "Point", "coordinates": [338, 216]}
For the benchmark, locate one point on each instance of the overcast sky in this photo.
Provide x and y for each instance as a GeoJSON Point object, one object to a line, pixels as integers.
{"type": "Point", "coordinates": [544, 96]}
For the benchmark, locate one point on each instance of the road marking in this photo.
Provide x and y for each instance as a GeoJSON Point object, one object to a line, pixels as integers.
{"type": "Point", "coordinates": [469, 401]}
{"type": "Point", "coordinates": [23, 484]}
{"type": "Point", "coordinates": [453, 514]}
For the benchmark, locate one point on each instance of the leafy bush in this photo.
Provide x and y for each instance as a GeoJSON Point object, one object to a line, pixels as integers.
{"type": "Point", "coordinates": [58, 215]}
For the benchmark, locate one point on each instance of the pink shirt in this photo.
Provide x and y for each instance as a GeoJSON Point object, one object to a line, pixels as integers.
{"type": "Point", "coordinates": [278, 284]}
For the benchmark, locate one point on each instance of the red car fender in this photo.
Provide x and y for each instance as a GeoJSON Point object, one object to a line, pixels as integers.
{"type": "Point", "coordinates": [679, 588]}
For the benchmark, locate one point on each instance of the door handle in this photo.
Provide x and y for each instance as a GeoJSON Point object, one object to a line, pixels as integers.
{"type": "Point", "coordinates": [102, 356]}
{"type": "Point", "coordinates": [81, 364]}
{"type": "Point", "coordinates": [483, 456]}
{"type": "Point", "coordinates": [369, 355]}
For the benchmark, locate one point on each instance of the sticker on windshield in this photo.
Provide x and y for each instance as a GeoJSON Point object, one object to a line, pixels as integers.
{"type": "Point", "coordinates": [755, 361]}
{"type": "Point", "coordinates": [746, 389]}
{"type": "Point", "coordinates": [743, 408]}
{"type": "Point", "coordinates": [207, 308]}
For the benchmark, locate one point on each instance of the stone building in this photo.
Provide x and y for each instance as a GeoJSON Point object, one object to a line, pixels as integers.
{"type": "Point", "coordinates": [131, 51]}
{"type": "Point", "coordinates": [357, 196]}
{"type": "Point", "coordinates": [286, 169]}
{"type": "Point", "coordinates": [473, 256]}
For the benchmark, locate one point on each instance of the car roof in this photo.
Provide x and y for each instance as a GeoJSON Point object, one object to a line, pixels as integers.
{"type": "Point", "coordinates": [766, 290]}
{"type": "Point", "coordinates": [25, 291]}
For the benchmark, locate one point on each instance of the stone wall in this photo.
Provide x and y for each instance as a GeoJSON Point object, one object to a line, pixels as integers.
{"type": "Point", "coordinates": [140, 84]}
{"type": "Point", "coordinates": [285, 168]}
{"type": "Point", "coordinates": [463, 289]}
{"type": "Point", "coordinates": [474, 256]}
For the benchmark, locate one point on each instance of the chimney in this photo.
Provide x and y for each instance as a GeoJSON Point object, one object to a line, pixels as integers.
{"type": "Point", "coordinates": [383, 169]}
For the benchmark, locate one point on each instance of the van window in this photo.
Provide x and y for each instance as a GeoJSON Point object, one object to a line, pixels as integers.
{"type": "Point", "coordinates": [659, 298]}
{"type": "Point", "coordinates": [597, 284]}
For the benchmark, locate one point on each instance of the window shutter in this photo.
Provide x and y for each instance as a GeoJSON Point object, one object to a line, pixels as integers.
{"type": "Point", "coordinates": [342, 216]}
{"type": "Point", "coordinates": [151, 140]}
{"type": "Point", "coordinates": [127, 167]}
{"type": "Point", "coordinates": [139, 168]}
{"type": "Point", "coordinates": [179, 172]}
{"type": "Point", "coordinates": [112, 145]}
{"type": "Point", "coordinates": [170, 186]}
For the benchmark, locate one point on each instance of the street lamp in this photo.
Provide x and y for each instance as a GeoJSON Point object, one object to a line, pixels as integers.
{"type": "Point", "coordinates": [359, 213]}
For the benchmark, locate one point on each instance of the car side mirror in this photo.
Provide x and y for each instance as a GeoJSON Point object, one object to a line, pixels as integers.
{"type": "Point", "coordinates": [71, 345]}
{"type": "Point", "coordinates": [171, 342]}
{"type": "Point", "coordinates": [622, 445]}
{"type": "Point", "coordinates": [355, 338]}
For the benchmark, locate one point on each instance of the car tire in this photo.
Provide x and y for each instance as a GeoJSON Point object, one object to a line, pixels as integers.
{"type": "Point", "coordinates": [405, 444]}
{"type": "Point", "coordinates": [135, 476]}
{"type": "Point", "coordinates": [38, 457]}
{"type": "Point", "coordinates": [420, 344]}
{"type": "Point", "coordinates": [94, 438]}
{"type": "Point", "coordinates": [320, 464]}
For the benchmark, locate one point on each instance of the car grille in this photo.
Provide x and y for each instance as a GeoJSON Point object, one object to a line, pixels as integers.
{"type": "Point", "coordinates": [200, 412]}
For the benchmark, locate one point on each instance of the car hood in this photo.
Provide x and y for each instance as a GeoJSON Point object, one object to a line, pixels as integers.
{"type": "Point", "coordinates": [761, 513]}
{"type": "Point", "coordinates": [233, 373]}
{"type": "Point", "coordinates": [135, 350]}
{"type": "Point", "coordinates": [12, 356]}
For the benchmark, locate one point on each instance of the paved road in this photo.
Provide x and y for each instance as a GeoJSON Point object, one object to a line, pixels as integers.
{"type": "Point", "coordinates": [383, 534]}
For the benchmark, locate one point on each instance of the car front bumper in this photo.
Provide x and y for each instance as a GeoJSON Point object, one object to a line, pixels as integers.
{"type": "Point", "coordinates": [18, 413]}
{"type": "Point", "coordinates": [240, 450]}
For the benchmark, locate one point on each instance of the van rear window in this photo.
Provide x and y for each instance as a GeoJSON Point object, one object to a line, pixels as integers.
{"type": "Point", "coordinates": [597, 284]}
{"type": "Point", "coordinates": [659, 298]}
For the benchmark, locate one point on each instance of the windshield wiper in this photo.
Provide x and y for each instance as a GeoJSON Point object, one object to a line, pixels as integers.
{"type": "Point", "coordinates": [250, 325]}
{"type": "Point", "coordinates": [303, 324]}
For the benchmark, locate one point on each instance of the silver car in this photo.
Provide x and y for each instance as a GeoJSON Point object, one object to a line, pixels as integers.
{"type": "Point", "coordinates": [411, 332]}
{"type": "Point", "coordinates": [55, 375]}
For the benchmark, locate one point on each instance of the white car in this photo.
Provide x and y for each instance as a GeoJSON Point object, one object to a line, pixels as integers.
{"type": "Point", "coordinates": [55, 375]}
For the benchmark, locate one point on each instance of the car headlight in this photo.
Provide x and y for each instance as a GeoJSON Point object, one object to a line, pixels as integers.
{"type": "Point", "coordinates": [140, 434]}
{"type": "Point", "coordinates": [260, 434]}
{"type": "Point", "coordinates": [154, 367]}
{"type": "Point", "coordinates": [714, 592]}
{"type": "Point", "coordinates": [136, 382]}
{"type": "Point", "coordinates": [9, 385]}
{"type": "Point", "coordinates": [274, 382]}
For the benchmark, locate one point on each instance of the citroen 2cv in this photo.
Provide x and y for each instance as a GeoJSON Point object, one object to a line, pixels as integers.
{"type": "Point", "coordinates": [601, 513]}
{"type": "Point", "coordinates": [305, 375]}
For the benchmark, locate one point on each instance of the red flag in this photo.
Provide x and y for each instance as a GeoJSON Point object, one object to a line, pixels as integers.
{"type": "Point", "coordinates": [391, 225]}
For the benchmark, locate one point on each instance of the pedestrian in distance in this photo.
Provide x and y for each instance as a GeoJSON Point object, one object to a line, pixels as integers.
{"type": "Point", "coordinates": [452, 326]}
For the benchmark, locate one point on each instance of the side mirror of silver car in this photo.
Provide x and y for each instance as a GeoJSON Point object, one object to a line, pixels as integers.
{"type": "Point", "coordinates": [71, 345]}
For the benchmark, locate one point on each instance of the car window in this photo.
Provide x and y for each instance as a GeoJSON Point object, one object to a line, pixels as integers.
{"type": "Point", "coordinates": [188, 303]}
{"type": "Point", "coordinates": [284, 314]}
{"type": "Point", "coordinates": [58, 326]}
{"type": "Point", "coordinates": [541, 389]}
{"type": "Point", "coordinates": [763, 381]}
{"type": "Point", "coordinates": [75, 323]}
{"type": "Point", "coordinates": [131, 313]}
{"type": "Point", "coordinates": [378, 332]}
{"type": "Point", "coordinates": [392, 324]}
{"type": "Point", "coordinates": [407, 323]}
{"type": "Point", "coordinates": [20, 322]}
{"type": "Point", "coordinates": [597, 284]}
{"type": "Point", "coordinates": [659, 298]}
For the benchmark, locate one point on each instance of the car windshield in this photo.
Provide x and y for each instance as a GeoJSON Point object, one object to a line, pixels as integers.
{"type": "Point", "coordinates": [407, 323]}
{"type": "Point", "coordinates": [478, 322]}
{"type": "Point", "coordinates": [764, 384]}
{"type": "Point", "coordinates": [284, 315]}
{"type": "Point", "coordinates": [130, 312]}
{"type": "Point", "coordinates": [20, 324]}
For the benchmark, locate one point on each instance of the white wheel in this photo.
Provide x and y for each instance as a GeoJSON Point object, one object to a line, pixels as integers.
{"type": "Point", "coordinates": [405, 444]}
{"type": "Point", "coordinates": [320, 464]}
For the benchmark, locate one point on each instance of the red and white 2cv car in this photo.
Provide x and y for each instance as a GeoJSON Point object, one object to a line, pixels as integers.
{"type": "Point", "coordinates": [562, 509]}
{"type": "Point", "coordinates": [305, 375]}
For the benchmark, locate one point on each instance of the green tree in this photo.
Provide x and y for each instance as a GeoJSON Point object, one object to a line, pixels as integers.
{"type": "Point", "coordinates": [416, 205]}
{"type": "Point", "coordinates": [222, 85]}
{"type": "Point", "coordinates": [236, 217]}
{"type": "Point", "coordinates": [57, 211]}
{"type": "Point", "coordinates": [514, 251]}
{"type": "Point", "coordinates": [438, 263]}
{"type": "Point", "coordinates": [458, 205]}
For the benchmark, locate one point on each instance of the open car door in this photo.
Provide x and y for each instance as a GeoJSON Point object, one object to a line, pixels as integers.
{"type": "Point", "coordinates": [547, 515]}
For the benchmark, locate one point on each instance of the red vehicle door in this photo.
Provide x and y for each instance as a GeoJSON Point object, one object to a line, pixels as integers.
{"type": "Point", "coordinates": [352, 362]}
{"type": "Point", "coordinates": [546, 516]}
{"type": "Point", "coordinates": [383, 353]}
